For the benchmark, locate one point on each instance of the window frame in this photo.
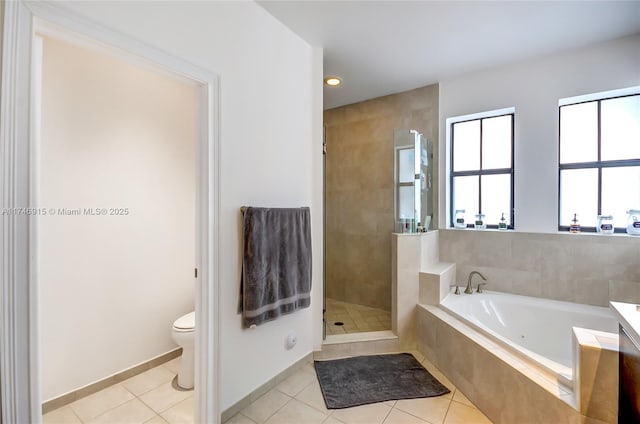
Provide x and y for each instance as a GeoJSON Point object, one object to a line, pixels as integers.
{"type": "Point", "coordinates": [598, 164]}
{"type": "Point", "coordinates": [482, 172]}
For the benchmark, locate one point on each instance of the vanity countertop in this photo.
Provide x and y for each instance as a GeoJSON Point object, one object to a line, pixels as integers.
{"type": "Point", "coordinates": [629, 316]}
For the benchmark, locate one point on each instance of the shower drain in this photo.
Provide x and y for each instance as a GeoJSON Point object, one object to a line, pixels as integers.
{"type": "Point", "coordinates": [338, 323]}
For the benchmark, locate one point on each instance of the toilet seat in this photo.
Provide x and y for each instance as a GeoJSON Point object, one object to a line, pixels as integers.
{"type": "Point", "coordinates": [185, 323]}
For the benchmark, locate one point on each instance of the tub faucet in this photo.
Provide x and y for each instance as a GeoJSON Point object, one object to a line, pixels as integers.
{"type": "Point", "coordinates": [469, 289]}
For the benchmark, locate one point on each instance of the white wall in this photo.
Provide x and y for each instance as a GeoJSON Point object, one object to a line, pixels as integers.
{"type": "Point", "coordinates": [113, 136]}
{"type": "Point", "coordinates": [270, 150]}
{"type": "Point", "coordinates": [534, 88]}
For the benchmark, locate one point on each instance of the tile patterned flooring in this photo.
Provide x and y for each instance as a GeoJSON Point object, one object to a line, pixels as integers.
{"type": "Point", "coordinates": [355, 318]}
{"type": "Point", "coordinates": [146, 398]}
{"type": "Point", "coordinates": [149, 398]}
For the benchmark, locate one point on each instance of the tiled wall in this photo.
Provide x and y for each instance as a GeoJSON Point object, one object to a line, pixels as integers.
{"type": "Point", "coordinates": [359, 188]}
{"type": "Point", "coordinates": [582, 268]}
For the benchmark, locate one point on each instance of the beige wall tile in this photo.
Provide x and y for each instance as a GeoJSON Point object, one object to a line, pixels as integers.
{"type": "Point", "coordinates": [359, 184]}
{"type": "Point", "coordinates": [503, 393]}
{"type": "Point", "coordinates": [583, 268]}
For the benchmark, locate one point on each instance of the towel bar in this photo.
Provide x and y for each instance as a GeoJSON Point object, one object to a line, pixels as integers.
{"type": "Point", "coordinates": [244, 208]}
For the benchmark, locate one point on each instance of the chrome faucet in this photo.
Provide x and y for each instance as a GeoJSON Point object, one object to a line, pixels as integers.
{"type": "Point", "coordinates": [469, 289]}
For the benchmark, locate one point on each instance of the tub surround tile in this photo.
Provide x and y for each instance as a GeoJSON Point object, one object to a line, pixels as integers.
{"type": "Point", "coordinates": [591, 291]}
{"type": "Point", "coordinates": [430, 255]}
{"type": "Point", "coordinates": [625, 291]}
{"type": "Point", "coordinates": [509, 358]}
{"type": "Point", "coordinates": [589, 420]}
{"type": "Point", "coordinates": [583, 268]}
{"type": "Point", "coordinates": [545, 381]}
{"type": "Point", "coordinates": [570, 399]}
{"type": "Point", "coordinates": [435, 281]}
{"type": "Point", "coordinates": [504, 394]}
{"type": "Point", "coordinates": [596, 369]}
{"type": "Point", "coordinates": [526, 283]}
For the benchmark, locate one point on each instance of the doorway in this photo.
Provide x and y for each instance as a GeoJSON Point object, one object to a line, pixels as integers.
{"type": "Point", "coordinates": [21, 361]}
{"type": "Point", "coordinates": [116, 225]}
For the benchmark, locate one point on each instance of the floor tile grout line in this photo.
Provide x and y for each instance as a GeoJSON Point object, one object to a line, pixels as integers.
{"type": "Point", "coordinates": [247, 417]}
{"type": "Point", "coordinates": [444, 419]}
{"type": "Point", "coordinates": [108, 410]}
{"type": "Point", "coordinates": [387, 415]}
{"type": "Point", "coordinates": [277, 410]}
{"type": "Point", "coordinates": [72, 411]}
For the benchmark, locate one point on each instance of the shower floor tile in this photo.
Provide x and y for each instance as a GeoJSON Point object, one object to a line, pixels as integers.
{"type": "Point", "coordinates": [343, 317]}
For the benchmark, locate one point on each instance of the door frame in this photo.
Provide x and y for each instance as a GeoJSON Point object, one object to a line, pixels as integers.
{"type": "Point", "coordinates": [20, 386]}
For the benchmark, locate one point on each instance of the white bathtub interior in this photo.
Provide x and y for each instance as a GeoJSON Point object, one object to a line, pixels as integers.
{"type": "Point", "coordinates": [536, 329]}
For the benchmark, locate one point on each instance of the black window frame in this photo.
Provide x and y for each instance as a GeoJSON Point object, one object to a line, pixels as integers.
{"type": "Point", "coordinates": [597, 164]}
{"type": "Point", "coordinates": [480, 172]}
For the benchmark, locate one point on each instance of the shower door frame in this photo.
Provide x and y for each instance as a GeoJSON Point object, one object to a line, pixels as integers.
{"type": "Point", "coordinates": [20, 386]}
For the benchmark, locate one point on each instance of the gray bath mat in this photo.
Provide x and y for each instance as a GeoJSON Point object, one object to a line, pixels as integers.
{"type": "Point", "coordinates": [368, 379]}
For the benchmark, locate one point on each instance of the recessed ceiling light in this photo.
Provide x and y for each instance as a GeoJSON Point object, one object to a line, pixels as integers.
{"type": "Point", "coordinates": [332, 81]}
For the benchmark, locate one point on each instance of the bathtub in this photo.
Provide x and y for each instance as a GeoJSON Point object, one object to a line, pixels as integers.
{"type": "Point", "coordinates": [535, 329]}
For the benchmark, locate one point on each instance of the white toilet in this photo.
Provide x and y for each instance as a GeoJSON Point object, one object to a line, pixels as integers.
{"type": "Point", "coordinates": [183, 333]}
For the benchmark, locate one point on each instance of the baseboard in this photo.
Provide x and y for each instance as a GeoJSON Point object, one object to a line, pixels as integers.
{"type": "Point", "coordinates": [92, 388]}
{"type": "Point", "coordinates": [228, 413]}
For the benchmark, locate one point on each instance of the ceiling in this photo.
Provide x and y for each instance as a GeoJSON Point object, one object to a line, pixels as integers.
{"type": "Point", "coordinates": [385, 47]}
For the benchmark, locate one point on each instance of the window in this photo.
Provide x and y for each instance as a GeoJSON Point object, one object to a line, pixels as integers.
{"type": "Point", "coordinates": [481, 177]}
{"type": "Point", "coordinates": [599, 157]}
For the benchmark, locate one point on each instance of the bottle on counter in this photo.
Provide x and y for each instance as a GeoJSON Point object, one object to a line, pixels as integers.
{"type": "Point", "coordinates": [575, 224]}
{"type": "Point", "coordinates": [459, 219]}
{"type": "Point", "coordinates": [502, 225]}
{"type": "Point", "coordinates": [605, 224]}
{"type": "Point", "coordinates": [633, 222]}
{"type": "Point", "coordinates": [479, 223]}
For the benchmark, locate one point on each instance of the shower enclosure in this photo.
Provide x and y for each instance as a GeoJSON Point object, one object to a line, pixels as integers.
{"type": "Point", "coordinates": [413, 191]}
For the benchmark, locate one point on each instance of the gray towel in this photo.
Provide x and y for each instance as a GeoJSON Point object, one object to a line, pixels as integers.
{"type": "Point", "coordinates": [276, 263]}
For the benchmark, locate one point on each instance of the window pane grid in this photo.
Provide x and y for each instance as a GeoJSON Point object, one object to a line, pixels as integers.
{"type": "Point", "coordinates": [615, 118]}
{"type": "Point", "coordinates": [488, 130]}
